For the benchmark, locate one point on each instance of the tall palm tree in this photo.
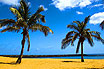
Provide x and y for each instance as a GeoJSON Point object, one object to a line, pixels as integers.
{"type": "Point", "coordinates": [24, 22]}
{"type": "Point", "coordinates": [81, 33]}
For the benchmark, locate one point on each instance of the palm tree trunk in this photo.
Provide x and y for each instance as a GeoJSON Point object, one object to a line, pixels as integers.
{"type": "Point", "coordinates": [21, 55]}
{"type": "Point", "coordinates": [82, 59]}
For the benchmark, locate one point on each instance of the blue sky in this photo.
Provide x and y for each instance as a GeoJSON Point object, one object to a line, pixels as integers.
{"type": "Point", "coordinates": [58, 14]}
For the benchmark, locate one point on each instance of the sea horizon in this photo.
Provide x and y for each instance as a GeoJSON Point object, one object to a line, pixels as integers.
{"type": "Point", "coordinates": [65, 56]}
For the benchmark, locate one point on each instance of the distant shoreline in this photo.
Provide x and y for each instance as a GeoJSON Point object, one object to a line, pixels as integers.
{"type": "Point", "coordinates": [38, 56]}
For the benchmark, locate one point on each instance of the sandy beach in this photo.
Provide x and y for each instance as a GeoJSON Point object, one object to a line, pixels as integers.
{"type": "Point", "coordinates": [33, 63]}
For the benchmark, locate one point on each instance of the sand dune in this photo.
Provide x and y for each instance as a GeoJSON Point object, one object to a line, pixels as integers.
{"type": "Point", "coordinates": [29, 63]}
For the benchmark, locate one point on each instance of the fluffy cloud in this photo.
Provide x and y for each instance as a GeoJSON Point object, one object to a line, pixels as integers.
{"type": "Point", "coordinates": [78, 12]}
{"type": "Point", "coordinates": [63, 4]}
{"type": "Point", "coordinates": [84, 3]}
{"type": "Point", "coordinates": [97, 18]}
{"type": "Point", "coordinates": [43, 7]}
{"type": "Point", "coordinates": [10, 2]}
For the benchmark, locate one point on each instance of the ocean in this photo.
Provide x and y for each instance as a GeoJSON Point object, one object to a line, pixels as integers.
{"type": "Point", "coordinates": [77, 57]}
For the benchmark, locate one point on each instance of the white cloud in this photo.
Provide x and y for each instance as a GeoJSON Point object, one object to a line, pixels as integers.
{"type": "Point", "coordinates": [97, 18]}
{"type": "Point", "coordinates": [78, 12]}
{"type": "Point", "coordinates": [84, 3]}
{"type": "Point", "coordinates": [97, 5]}
{"type": "Point", "coordinates": [43, 7]}
{"type": "Point", "coordinates": [63, 4]}
{"type": "Point", "coordinates": [10, 2]}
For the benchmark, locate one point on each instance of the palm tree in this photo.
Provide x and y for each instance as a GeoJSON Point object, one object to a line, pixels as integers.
{"type": "Point", "coordinates": [24, 22]}
{"type": "Point", "coordinates": [81, 33]}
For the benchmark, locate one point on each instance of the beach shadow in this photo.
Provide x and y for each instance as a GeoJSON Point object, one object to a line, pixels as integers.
{"type": "Point", "coordinates": [12, 63]}
{"type": "Point", "coordinates": [95, 68]}
{"type": "Point", "coordinates": [70, 61]}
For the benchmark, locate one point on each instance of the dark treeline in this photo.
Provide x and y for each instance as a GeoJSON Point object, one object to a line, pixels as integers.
{"type": "Point", "coordinates": [39, 56]}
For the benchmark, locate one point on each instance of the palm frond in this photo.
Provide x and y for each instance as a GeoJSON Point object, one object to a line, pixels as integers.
{"type": "Point", "coordinates": [21, 24]}
{"type": "Point", "coordinates": [24, 9]}
{"type": "Point", "coordinates": [74, 38]}
{"type": "Point", "coordinates": [35, 15]}
{"type": "Point", "coordinates": [9, 29]}
{"type": "Point", "coordinates": [95, 33]}
{"type": "Point", "coordinates": [84, 23]}
{"type": "Point", "coordinates": [70, 34]}
{"type": "Point", "coordinates": [6, 22]}
{"type": "Point", "coordinates": [38, 17]}
{"type": "Point", "coordinates": [87, 29]}
{"type": "Point", "coordinates": [42, 28]}
{"type": "Point", "coordinates": [89, 38]}
{"type": "Point", "coordinates": [65, 42]}
{"type": "Point", "coordinates": [15, 12]}
{"type": "Point", "coordinates": [78, 23]}
{"type": "Point", "coordinates": [43, 19]}
{"type": "Point", "coordinates": [87, 19]}
{"type": "Point", "coordinates": [73, 27]}
{"type": "Point", "coordinates": [97, 36]}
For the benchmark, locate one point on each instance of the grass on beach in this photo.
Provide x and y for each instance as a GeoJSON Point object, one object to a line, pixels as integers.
{"type": "Point", "coordinates": [29, 63]}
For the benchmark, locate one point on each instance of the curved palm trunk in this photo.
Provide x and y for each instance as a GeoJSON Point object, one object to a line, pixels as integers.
{"type": "Point", "coordinates": [21, 55]}
{"type": "Point", "coordinates": [82, 59]}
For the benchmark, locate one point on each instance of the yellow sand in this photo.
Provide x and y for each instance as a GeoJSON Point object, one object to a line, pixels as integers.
{"type": "Point", "coordinates": [29, 63]}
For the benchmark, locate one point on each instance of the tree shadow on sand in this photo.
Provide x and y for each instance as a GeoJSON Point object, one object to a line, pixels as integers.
{"type": "Point", "coordinates": [95, 68]}
{"type": "Point", "coordinates": [12, 63]}
{"type": "Point", "coordinates": [70, 61]}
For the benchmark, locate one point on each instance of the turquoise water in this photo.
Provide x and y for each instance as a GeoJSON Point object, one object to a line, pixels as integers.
{"type": "Point", "coordinates": [78, 57]}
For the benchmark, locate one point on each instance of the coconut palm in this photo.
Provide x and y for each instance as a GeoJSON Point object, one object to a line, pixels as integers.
{"type": "Point", "coordinates": [81, 33]}
{"type": "Point", "coordinates": [24, 22]}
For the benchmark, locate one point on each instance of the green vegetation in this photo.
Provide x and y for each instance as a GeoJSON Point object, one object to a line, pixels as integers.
{"type": "Point", "coordinates": [81, 33]}
{"type": "Point", "coordinates": [24, 22]}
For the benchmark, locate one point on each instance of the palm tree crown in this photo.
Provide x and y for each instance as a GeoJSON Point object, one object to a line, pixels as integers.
{"type": "Point", "coordinates": [81, 33]}
{"type": "Point", "coordinates": [25, 22]}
